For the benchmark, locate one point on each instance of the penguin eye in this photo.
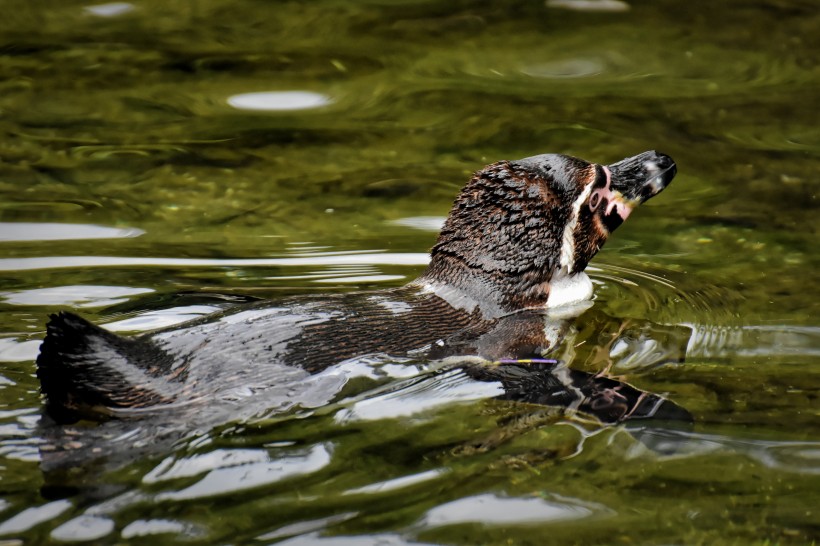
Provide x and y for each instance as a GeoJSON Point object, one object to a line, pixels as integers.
{"type": "Point", "coordinates": [594, 200]}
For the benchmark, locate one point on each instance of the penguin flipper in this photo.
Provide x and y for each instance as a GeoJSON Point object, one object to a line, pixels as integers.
{"type": "Point", "coordinates": [85, 370]}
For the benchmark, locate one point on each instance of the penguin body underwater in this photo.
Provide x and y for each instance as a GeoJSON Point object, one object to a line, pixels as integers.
{"type": "Point", "coordinates": [512, 253]}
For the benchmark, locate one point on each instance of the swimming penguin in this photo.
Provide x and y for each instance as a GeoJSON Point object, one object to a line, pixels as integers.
{"type": "Point", "coordinates": [511, 254]}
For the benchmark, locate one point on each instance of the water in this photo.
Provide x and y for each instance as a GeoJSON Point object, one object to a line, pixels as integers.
{"type": "Point", "coordinates": [163, 160]}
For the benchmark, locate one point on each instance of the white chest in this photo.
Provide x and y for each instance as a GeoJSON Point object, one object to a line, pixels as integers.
{"type": "Point", "coordinates": [569, 289]}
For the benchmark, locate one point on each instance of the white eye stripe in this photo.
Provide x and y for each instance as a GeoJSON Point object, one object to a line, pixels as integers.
{"type": "Point", "coordinates": [567, 259]}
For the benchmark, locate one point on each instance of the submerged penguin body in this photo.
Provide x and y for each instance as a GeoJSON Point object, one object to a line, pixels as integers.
{"type": "Point", "coordinates": [512, 250]}
{"type": "Point", "coordinates": [248, 351]}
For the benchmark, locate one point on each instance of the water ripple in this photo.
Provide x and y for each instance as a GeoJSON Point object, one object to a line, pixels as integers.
{"type": "Point", "coordinates": [83, 528]}
{"type": "Point", "coordinates": [13, 350]}
{"type": "Point", "coordinates": [371, 539]}
{"type": "Point", "coordinates": [655, 292]}
{"type": "Point", "coordinates": [419, 395]}
{"type": "Point", "coordinates": [490, 509]}
{"type": "Point", "coordinates": [764, 340]}
{"type": "Point", "coordinates": [363, 258]}
{"type": "Point", "coordinates": [397, 483]}
{"type": "Point", "coordinates": [30, 517]}
{"type": "Point", "coordinates": [76, 295]}
{"type": "Point", "coordinates": [36, 231]}
{"type": "Point", "coordinates": [250, 474]}
{"type": "Point", "coordinates": [789, 456]}
{"type": "Point", "coordinates": [162, 318]}
{"type": "Point", "coordinates": [147, 527]}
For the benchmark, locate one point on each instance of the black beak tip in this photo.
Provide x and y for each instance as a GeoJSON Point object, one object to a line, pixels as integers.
{"type": "Point", "coordinates": [666, 165]}
{"type": "Point", "coordinates": [661, 170]}
{"type": "Point", "coordinates": [670, 174]}
{"type": "Point", "coordinates": [644, 175]}
{"type": "Point", "coordinates": [663, 160]}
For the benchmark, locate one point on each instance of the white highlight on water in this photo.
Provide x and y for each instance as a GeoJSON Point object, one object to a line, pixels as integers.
{"type": "Point", "coordinates": [279, 101]}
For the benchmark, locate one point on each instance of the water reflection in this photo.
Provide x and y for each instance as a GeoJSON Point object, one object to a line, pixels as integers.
{"type": "Point", "coordinates": [385, 388]}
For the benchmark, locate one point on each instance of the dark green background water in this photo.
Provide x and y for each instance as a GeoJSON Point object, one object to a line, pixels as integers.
{"type": "Point", "coordinates": [131, 189]}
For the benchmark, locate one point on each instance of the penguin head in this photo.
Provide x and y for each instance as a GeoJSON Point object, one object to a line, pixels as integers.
{"type": "Point", "coordinates": [517, 225]}
{"type": "Point", "coordinates": [606, 201]}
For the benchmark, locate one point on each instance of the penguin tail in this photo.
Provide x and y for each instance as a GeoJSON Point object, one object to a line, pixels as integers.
{"type": "Point", "coordinates": [87, 371]}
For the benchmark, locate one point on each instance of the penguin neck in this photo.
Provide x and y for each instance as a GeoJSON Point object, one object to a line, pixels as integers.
{"type": "Point", "coordinates": [492, 295]}
{"type": "Point", "coordinates": [488, 294]}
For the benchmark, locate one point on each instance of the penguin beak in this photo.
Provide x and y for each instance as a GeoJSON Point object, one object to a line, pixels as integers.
{"type": "Point", "coordinates": [643, 176]}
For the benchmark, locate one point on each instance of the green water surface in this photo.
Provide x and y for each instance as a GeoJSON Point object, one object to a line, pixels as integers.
{"type": "Point", "coordinates": [139, 187]}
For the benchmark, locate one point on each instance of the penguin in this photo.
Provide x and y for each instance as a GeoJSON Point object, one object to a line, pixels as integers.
{"type": "Point", "coordinates": [510, 255]}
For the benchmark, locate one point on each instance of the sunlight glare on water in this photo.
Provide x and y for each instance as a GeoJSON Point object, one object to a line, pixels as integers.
{"type": "Point", "coordinates": [274, 101]}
